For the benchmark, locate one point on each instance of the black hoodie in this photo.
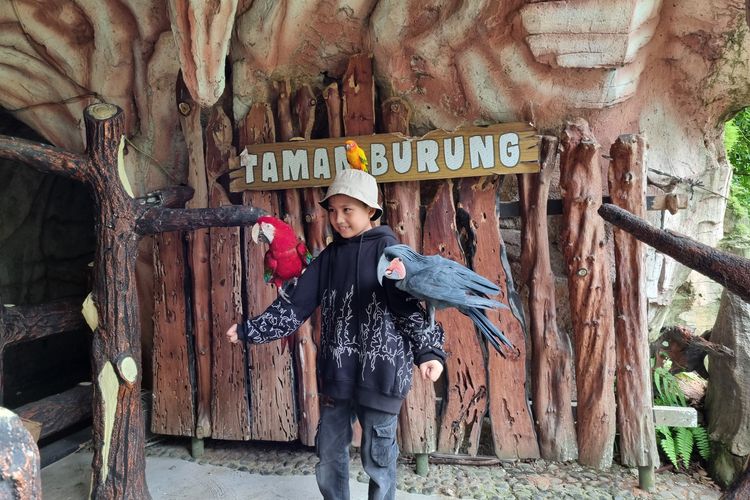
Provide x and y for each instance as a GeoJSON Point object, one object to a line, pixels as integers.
{"type": "Point", "coordinates": [370, 334]}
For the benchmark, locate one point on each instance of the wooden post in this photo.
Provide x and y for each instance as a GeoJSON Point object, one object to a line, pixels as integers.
{"type": "Point", "coordinates": [19, 468]}
{"type": "Point", "coordinates": [417, 425]}
{"type": "Point", "coordinates": [270, 378]}
{"type": "Point", "coordinates": [552, 354]}
{"type": "Point", "coordinates": [590, 290]}
{"type": "Point", "coordinates": [466, 378]}
{"type": "Point", "coordinates": [512, 426]}
{"type": "Point", "coordinates": [189, 113]}
{"type": "Point", "coordinates": [230, 409]}
{"type": "Point", "coordinates": [627, 188]}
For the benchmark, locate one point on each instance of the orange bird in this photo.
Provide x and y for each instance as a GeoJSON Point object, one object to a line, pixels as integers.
{"type": "Point", "coordinates": [355, 156]}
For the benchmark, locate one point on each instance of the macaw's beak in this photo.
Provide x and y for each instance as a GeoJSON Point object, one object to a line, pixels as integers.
{"type": "Point", "coordinates": [382, 266]}
{"type": "Point", "coordinates": [258, 235]}
{"type": "Point", "coordinates": [393, 270]}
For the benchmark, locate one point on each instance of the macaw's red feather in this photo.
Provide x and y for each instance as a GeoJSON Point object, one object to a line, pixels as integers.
{"type": "Point", "coordinates": [287, 256]}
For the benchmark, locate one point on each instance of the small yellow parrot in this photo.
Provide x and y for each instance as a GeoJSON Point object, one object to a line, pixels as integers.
{"type": "Point", "coordinates": [355, 156]}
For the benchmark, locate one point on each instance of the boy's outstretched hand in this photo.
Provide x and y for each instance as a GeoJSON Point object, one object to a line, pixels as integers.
{"type": "Point", "coordinates": [430, 369]}
{"type": "Point", "coordinates": [232, 334]}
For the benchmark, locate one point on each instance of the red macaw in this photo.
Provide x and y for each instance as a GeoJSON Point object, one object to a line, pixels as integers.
{"type": "Point", "coordinates": [287, 255]}
{"type": "Point", "coordinates": [355, 156]}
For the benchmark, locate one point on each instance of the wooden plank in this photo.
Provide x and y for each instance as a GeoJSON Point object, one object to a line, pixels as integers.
{"type": "Point", "coordinates": [465, 403]}
{"type": "Point", "coordinates": [675, 416]}
{"type": "Point", "coordinates": [552, 354]}
{"type": "Point", "coordinates": [198, 257]}
{"type": "Point", "coordinates": [358, 96]}
{"type": "Point", "coordinates": [59, 411]}
{"type": "Point", "coordinates": [230, 409]}
{"type": "Point", "coordinates": [590, 290]}
{"type": "Point", "coordinates": [304, 348]}
{"type": "Point", "coordinates": [417, 424]}
{"type": "Point", "coordinates": [512, 425]}
{"type": "Point", "coordinates": [173, 408]}
{"type": "Point", "coordinates": [502, 149]}
{"type": "Point", "coordinates": [627, 187]}
{"type": "Point", "coordinates": [270, 366]}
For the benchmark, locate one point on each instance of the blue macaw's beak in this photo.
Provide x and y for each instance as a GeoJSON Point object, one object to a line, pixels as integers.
{"type": "Point", "coordinates": [382, 266]}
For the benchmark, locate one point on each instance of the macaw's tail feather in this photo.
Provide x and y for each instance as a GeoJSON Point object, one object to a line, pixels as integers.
{"type": "Point", "coordinates": [489, 331]}
{"type": "Point", "coordinates": [483, 302]}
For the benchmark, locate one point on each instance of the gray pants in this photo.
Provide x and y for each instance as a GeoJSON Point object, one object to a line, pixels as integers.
{"type": "Point", "coordinates": [379, 449]}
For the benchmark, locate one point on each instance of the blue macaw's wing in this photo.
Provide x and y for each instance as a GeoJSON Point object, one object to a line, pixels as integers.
{"type": "Point", "coordinates": [463, 276]}
{"type": "Point", "coordinates": [440, 287]}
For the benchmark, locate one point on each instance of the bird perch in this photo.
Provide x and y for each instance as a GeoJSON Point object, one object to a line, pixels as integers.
{"type": "Point", "coordinates": [731, 271]}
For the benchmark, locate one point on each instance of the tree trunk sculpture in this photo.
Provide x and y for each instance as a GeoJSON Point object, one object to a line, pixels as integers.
{"type": "Point", "coordinates": [112, 308]}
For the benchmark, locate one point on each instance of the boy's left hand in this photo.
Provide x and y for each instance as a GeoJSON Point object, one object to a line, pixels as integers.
{"type": "Point", "coordinates": [431, 369]}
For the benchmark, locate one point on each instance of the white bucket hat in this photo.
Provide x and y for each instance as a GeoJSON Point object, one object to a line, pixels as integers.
{"type": "Point", "coordinates": [357, 184]}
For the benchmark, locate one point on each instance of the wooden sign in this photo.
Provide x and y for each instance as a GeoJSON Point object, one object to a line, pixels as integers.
{"type": "Point", "coordinates": [507, 148]}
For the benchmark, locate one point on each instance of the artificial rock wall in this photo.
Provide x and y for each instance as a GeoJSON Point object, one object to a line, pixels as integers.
{"type": "Point", "coordinates": [674, 71]}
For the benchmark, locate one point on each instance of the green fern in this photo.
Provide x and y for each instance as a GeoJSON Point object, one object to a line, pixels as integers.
{"type": "Point", "coordinates": [677, 443]}
{"type": "Point", "coordinates": [668, 391]}
{"type": "Point", "coordinates": [667, 444]}
{"type": "Point", "coordinates": [684, 443]}
{"type": "Point", "coordinates": [702, 443]}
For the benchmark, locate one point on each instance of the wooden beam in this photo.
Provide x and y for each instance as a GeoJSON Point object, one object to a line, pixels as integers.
{"type": "Point", "coordinates": [661, 202]}
{"type": "Point", "coordinates": [59, 411]}
{"type": "Point", "coordinates": [731, 271]}
{"type": "Point", "coordinates": [29, 322]}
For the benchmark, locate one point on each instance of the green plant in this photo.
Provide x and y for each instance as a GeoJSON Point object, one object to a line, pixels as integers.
{"type": "Point", "coordinates": [677, 443]}
{"type": "Point", "coordinates": [737, 144]}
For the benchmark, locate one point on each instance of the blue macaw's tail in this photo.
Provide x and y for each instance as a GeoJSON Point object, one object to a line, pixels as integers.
{"type": "Point", "coordinates": [489, 331]}
{"type": "Point", "coordinates": [483, 302]}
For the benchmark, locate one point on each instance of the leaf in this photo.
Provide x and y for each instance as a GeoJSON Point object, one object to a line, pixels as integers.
{"type": "Point", "coordinates": [684, 444]}
{"type": "Point", "coordinates": [702, 442]}
{"type": "Point", "coordinates": [667, 445]}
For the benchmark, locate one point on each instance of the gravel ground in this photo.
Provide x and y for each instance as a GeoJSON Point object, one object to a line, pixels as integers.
{"type": "Point", "coordinates": [536, 479]}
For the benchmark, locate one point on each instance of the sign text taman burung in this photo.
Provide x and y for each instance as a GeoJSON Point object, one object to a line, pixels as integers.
{"type": "Point", "coordinates": [508, 148]}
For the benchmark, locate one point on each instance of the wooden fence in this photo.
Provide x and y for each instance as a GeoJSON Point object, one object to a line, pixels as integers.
{"type": "Point", "coordinates": [201, 386]}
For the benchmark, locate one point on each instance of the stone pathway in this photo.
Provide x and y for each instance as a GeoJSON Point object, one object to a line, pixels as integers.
{"type": "Point", "coordinates": [537, 479]}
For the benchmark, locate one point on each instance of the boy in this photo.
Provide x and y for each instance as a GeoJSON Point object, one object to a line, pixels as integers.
{"type": "Point", "coordinates": [370, 337]}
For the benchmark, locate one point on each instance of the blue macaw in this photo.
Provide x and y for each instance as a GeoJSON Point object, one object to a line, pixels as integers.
{"type": "Point", "coordinates": [442, 283]}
